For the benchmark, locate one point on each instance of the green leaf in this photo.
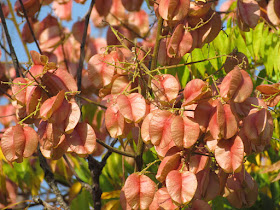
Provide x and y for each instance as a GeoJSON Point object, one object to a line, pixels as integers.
{"type": "Point", "coordinates": [252, 159]}
{"type": "Point", "coordinates": [266, 57]}
{"type": "Point", "coordinates": [209, 52]}
{"type": "Point", "coordinates": [185, 76]}
{"type": "Point", "coordinates": [23, 171]}
{"type": "Point", "coordinates": [197, 55]}
{"type": "Point", "coordinates": [88, 111]}
{"type": "Point", "coordinates": [275, 56]}
{"type": "Point", "coordinates": [105, 183]}
{"type": "Point", "coordinates": [81, 168]}
{"type": "Point", "coordinates": [266, 201]}
{"type": "Point", "coordinates": [99, 119]}
{"type": "Point", "coordinates": [249, 41]}
{"type": "Point", "coordinates": [257, 39]}
{"type": "Point", "coordinates": [241, 44]}
{"type": "Point", "coordinates": [2, 180]}
{"type": "Point", "coordinates": [183, 73]}
{"type": "Point", "coordinates": [222, 41]}
{"type": "Point", "coordinates": [275, 191]}
{"type": "Point", "coordinates": [269, 65]}
{"type": "Point", "coordinates": [218, 203]}
{"type": "Point", "coordinates": [82, 201]}
{"type": "Point", "coordinates": [128, 167]}
{"type": "Point", "coordinates": [114, 163]}
{"type": "Point", "coordinates": [263, 42]}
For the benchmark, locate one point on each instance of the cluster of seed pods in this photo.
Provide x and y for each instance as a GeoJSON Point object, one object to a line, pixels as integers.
{"type": "Point", "coordinates": [42, 98]}
{"type": "Point", "coordinates": [202, 144]}
{"type": "Point", "coordinates": [201, 133]}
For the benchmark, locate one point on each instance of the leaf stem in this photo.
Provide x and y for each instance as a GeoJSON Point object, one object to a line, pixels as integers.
{"type": "Point", "coordinates": [149, 165]}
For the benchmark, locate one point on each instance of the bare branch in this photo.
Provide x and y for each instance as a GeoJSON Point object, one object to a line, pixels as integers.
{"type": "Point", "coordinates": [95, 168]}
{"type": "Point", "coordinates": [127, 26]}
{"type": "Point", "coordinates": [112, 149]}
{"type": "Point", "coordinates": [4, 48]}
{"type": "Point", "coordinates": [92, 102]}
{"type": "Point", "coordinates": [107, 155]}
{"type": "Point", "coordinates": [189, 63]}
{"type": "Point", "coordinates": [29, 25]}
{"type": "Point", "coordinates": [7, 115]}
{"type": "Point", "coordinates": [84, 184]}
{"type": "Point", "coordinates": [49, 177]}
{"type": "Point", "coordinates": [82, 48]}
{"type": "Point", "coordinates": [13, 18]}
{"type": "Point", "coordinates": [156, 48]}
{"type": "Point", "coordinates": [13, 54]}
{"type": "Point", "coordinates": [39, 201]}
{"type": "Point", "coordinates": [4, 92]}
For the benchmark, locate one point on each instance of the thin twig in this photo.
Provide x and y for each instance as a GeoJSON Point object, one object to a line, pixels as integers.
{"type": "Point", "coordinates": [64, 57]}
{"type": "Point", "coordinates": [130, 41]}
{"type": "Point", "coordinates": [47, 206]}
{"type": "Point", "coordinates": [156, 48]}
{"type": "Point", "coordinates": [7, 94]}
{"type": "Point", "coordinates": [13, 18]}
{"type": "Point", "coordinates": [84, 184]}
{"type": "Point", "coordinates": [13, 54]}
{"type": "Point", "coordinates": [7, 115]}
{"type": "Point", "coordinates": [190, 63]}
{"type": "Point", "coordinates": [4, 48]}
{"type": "Point", "coordinates": [112, 149]}
{"type": "Point", "coordinates": [107, 155]}
{"type": "Point", "coordinates": [197, 153]}
{"type": "Point", "coordinates": [82, 48]}
{"type": "Point", "coordinates": [29, 25]}
{"type": "Point", "coordinates": [91, 102]}
{"type": "Point", "coordinates": [126, 26]}
{"type": "Point", "coordinates": [49, 177]}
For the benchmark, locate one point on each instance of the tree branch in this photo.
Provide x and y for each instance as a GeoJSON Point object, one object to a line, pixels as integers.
{"type": "Point", "coordinates": [84, 184]}
{"type": "Point", "coordinates": [92, 102]}
{"type": "Point", "coordinates": [190, 63]}
{"type": "Point", "coordinates": [126, 26]}
{"type": "Point", "coordinates": [108, 153]}
{"type": "Point", "coordinates": [49, 177]}
{"type": "Point", "coordinates": [156, 48]}
{"type": "Point", "coordinates": [46, 205]}
{"type": "Point", "coordinates": [95, 168]}
{"type": "Point", "coordinates": [4, 48]}
{"type": "Point", "coordinates": [139, 154]}
{"type": "Point", "coordinates": [4, 92]}
{"type": "Point", "coordinates": [29, 25]}
{"type": "Point", "coordinates": [13, 54]}
{"type": "Point", "coordinates": [82, 48]}
{"type": "Point", "coordinates": [18, 29]}
{"type": "Point", "coordinates": [112, 149]}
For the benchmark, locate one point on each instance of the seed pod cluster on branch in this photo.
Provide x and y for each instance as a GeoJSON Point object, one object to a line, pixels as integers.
{"type": "Point", "coordinates": [139, 85]}
{"type": "Point", "coordinates": [46, 98]}
{"type": "Point", "coordinates": [187, 127]}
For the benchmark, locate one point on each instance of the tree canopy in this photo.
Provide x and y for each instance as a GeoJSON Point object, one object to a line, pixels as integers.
{"type": "Point", "coordinates": [155, 104]}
